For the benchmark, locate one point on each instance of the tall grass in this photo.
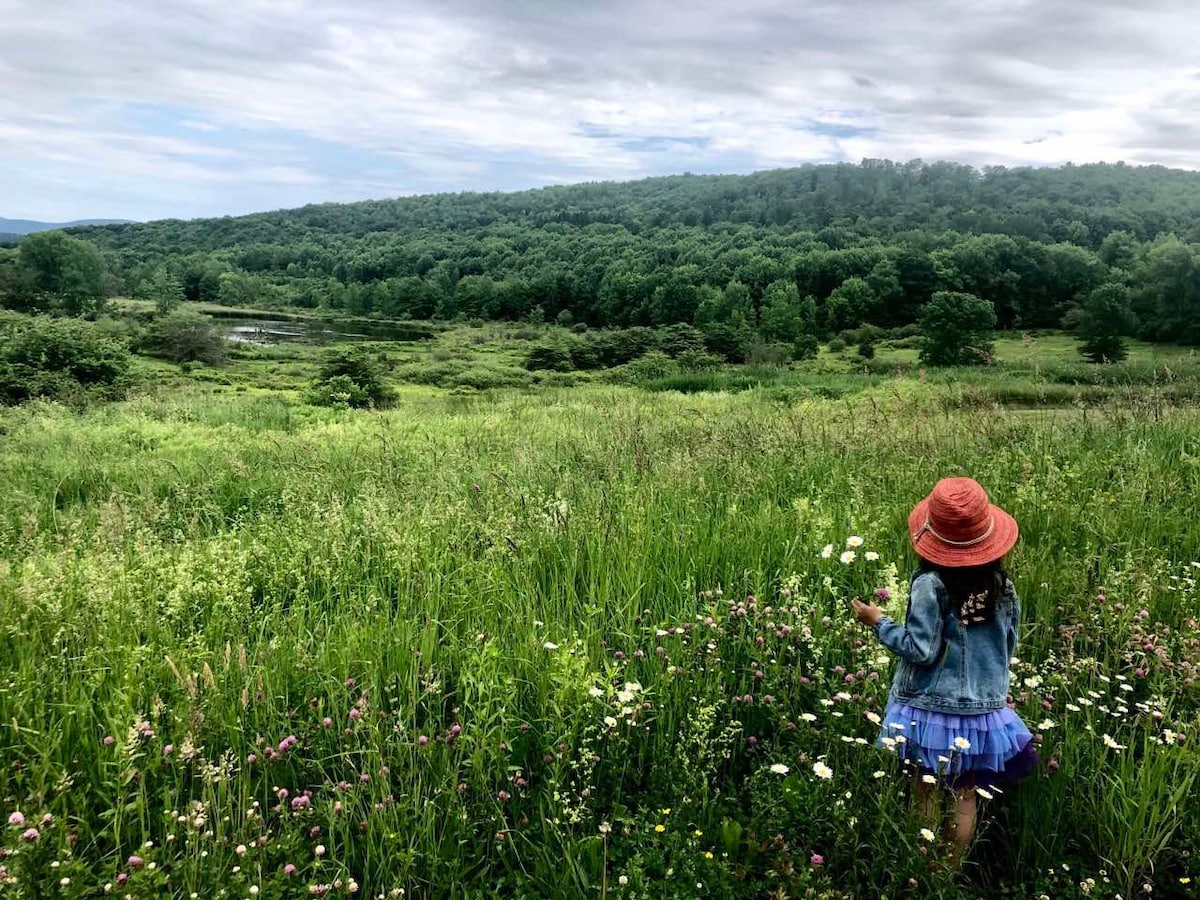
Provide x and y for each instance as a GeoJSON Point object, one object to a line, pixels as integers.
{"type": "Point", "coordinates": [505, 645]}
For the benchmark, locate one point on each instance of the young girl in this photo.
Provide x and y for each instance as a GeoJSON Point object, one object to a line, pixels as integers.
{"type": "Point", "coordinates": [947, 714]}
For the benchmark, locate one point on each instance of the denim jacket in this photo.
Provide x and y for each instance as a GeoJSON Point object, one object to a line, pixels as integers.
{"type": "Point", "coordinates": [943, 666]}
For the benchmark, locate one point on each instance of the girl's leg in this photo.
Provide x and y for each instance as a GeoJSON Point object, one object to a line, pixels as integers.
{"type": "Point", "coordinates": [927, 801]}
{"type": "Point", "coordinates": [961, 828]}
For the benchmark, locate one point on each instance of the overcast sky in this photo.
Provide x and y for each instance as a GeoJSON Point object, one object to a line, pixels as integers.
{"type": "Point", "coordinates": [153, 108]}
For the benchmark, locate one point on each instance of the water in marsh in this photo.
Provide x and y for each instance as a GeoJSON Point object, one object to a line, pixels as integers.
{"type": "Point", "coordinates": [281, 331]}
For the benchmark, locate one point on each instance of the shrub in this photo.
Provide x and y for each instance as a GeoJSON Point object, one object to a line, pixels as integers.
{"type": "Point", "coordinates": [675, 340]}
{"type": "Point", "coordinates": [549, 356]}
{"type": "Point", "coordinates": [351, 378]}
{"type": "Point", "coordinates": [184, 335]}
{"type": "Point", "coordinates": [806, 347]}
{"type": "Point", "coordinates": [652, 365]}
{"type": "Point", "coordinates": [731, 342]}
{"type": "Point", "coordinates": [699, 361]}
{"type": "Point", "coordinates": [60, 359]}
{"type": "Point", "coordinates": [837, 345]}
{"type": "Point", "coordinates": [764, 354]}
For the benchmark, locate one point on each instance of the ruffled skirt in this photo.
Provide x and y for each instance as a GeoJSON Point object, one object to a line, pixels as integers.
{"type": "Point", "coordinates": [976, 748]}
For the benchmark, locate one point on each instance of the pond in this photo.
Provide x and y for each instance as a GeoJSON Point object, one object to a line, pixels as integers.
{"type": "Point", "coordinates": [283, 331]}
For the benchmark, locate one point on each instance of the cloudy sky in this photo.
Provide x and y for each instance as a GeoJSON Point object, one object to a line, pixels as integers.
{"type": "Point", "coordinates": [153, 108]}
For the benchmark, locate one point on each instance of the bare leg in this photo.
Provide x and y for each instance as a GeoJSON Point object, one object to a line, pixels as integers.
{"type": "Point", "coordinates": [962, 828]}
{"type": "Point", "coordinates": [927, 801]}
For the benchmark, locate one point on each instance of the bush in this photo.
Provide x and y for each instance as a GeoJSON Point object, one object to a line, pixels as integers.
{"type": "Point", "coordinates": [552, 357]}
{"type": "Point", "coordinates": [676, 340]}
{"type": "Point", "coordinates": [957, 329]}
{"type": "Point", "coordinates": [763, 354]}
{"type": "Point", "coordinates": [699, 361]}
{"type": "Point", "coordinates": [653, 365]}
{"type": "Point", "coordinates": [806, 347]}
{"type": "Point", "coordinates": [351, 378]}
{"type": "Point", "coordinates": [731, 342]}
{"type": "Point", "coordinates": [837, 345]}
{"type": "Point", "coordinates": [866, 349]}
{"type": "Point", "coordinates": [184, 335]}
{"type": "Point", "coordinates": [60, 359]}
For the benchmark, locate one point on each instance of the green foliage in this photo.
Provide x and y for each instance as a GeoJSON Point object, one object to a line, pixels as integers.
{"type": "Point", "coordinates": [552, 357]}
{"type": "Point", "coordinates": [60, 359]}
{"type": "Point", "coordinates": [58, 273]}
{"type": "Point", "coordinates": [957, 329]}
{"type": "Point", "coordinates": [351, 378]}
{"type": "Point", "coordinates": [184, 335]}
{"type": "Point", "coordinates": [1103, 321]}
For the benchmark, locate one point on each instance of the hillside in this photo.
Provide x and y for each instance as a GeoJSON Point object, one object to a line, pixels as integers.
{"type": "Point", "coordinates": [832, 247]}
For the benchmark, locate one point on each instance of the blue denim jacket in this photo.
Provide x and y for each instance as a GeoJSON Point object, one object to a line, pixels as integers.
{"type": "Point", "coordinates": [944, 667]}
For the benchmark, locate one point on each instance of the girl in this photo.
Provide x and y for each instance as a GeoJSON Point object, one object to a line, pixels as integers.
{"type": "Point", "coordinates": [947, 714]}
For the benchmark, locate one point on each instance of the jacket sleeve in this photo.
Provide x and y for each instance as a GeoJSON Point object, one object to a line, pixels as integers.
{"type": "Point", "coordinates": [919, 639]}
{"type": "Point", "coordinates": [1014, 622]}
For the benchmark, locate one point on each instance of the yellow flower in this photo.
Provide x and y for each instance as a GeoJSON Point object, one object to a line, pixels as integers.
{"type": "Point", "coordinates": [660, 828]}
{"type": "Point", "coordinates": [708, 855]}
{"type": "Point", "coordinates": [698, 833]}
{"type": "Point", "coordinates": [667, 811]}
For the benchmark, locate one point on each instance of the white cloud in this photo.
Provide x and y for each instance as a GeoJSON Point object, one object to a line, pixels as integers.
{"type": "Point", "coordinates": [461, 92]}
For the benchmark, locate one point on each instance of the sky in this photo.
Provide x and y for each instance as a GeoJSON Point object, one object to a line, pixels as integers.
{"type": "Point", "coordinates": [146, 109]}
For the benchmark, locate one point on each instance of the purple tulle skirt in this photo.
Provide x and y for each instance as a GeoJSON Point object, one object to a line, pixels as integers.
{"type": "Point", "coordinates": [998, 746]}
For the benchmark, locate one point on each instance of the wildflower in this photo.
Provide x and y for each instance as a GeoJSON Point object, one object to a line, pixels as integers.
{"type": "Point", "coordinates": [605, 828]}
{"type": "Point", "coordinates": [109, 740]}
{"type": "Point", "coordinates": [817, 859]}
{"type": "Point", "coordinates": [595, 692]}
{"type": "Point", "coordinates": [355, 714]}
{"type": "Point", "coordinates": [929, 779]}
{"type": "Point", "coordinates": [854, 541]}
{"type": "Point", "coordinates": [423, 741]}
{"type": "Point", "coordinates": [29, 835]}
{"type": "Point", "coordinates": [780, 769]}
{"type": "Point", "coordinates": [827, 551]}
{"type": "Point", "coordinates": [168, 750]}
{"type": "Point", "coordinates": [550, 645]}
{"type": "Point", "coordinates": [822, 771]}
{"type": "Point", "coordinates": [660, 828]}
{"type": "Point", "coordinates": [878, 773]}
{"type": "Point", "coordinates": [610, 721]}
{"type": "Point", "coordinates": [240, 850]}
{"type": "Point", "coordinates": [667, 811]}
{"type": "Point", "coordinates": [16, 820]}
{"type": "Point", "coordinates": [961, 743]}
{"type": "Point", "coordinates": [320, 850]}
{"type": "Point", "coordinates": [289, 869]}
{"type": "Point", "coordinates": [928, 835]}
{"type": "Point", "coordinates": [135, 862]}
{"type": "Point", "coordinates": [1111, 743]}
{"type": "Point", "coordinates": [847, 557]}
{"type": "Point", "coordinates": [808, 717]}
{"type": "Point", "coordinates": [984, 793]}
{"type": "Point", "coordinates": [1045, 725]}
{"type": "Point", "coordinates": [871, 556]}
{"type": "Point", "coordinates": [708, 854]}
{"type": "Point", "coordinates": [623, 880]}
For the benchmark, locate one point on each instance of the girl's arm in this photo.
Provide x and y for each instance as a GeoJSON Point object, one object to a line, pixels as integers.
{"type": "Point", "coordinates": [919, 639]}
{"type": "Point", "coordinates": [1014, 622]}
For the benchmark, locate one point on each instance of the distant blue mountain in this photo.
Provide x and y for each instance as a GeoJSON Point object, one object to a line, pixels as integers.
{"type": "Point", "coordinates": [27, 226]}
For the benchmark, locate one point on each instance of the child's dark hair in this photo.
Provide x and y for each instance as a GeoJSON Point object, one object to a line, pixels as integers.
{"type": "Point", "coordinates": [974, 591]}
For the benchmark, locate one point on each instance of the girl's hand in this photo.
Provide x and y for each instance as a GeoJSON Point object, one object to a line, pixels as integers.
{"type": "Point", "coordinates": [867, 613]}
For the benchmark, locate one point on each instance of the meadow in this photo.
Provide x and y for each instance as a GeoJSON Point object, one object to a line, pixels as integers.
{"type": "Point", "coordinates": [573, 637]}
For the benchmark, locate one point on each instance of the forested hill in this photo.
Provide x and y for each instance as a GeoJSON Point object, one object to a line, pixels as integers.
{"type": "Point", "coordinates": [877, 198]}
{"type": "Point", "coordinates": [821, 248]}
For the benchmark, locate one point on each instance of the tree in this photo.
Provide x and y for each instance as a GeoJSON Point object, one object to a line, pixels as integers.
{"type": "Point", "coordinates": [852, 303]}
{"type": "Point", "coordinates": [351, 378]}
{"type": "Point", "coordinates": [781, 319]}
{"type": "Point", "coordinates": [62, 273]}
{"type": "Point", "coordinates": [957, 329]}
{"type": "Point", "coordinates": [164, 289]}
{"type": "Point", "coordinates": [1103, 321]}
{"type": "Point", "coordinates": [184, 335]}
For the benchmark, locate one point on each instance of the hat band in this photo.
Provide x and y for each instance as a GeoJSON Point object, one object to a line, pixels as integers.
{"type": "Point", "coordinates": [971, 543]}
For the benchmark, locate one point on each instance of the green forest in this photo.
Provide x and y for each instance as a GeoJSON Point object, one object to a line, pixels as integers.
{"type": "Point", "coordinates": [787, 256]}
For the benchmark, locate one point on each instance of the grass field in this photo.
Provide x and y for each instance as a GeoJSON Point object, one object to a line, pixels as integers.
{"type": "Point", "coordinates": [577, 639]}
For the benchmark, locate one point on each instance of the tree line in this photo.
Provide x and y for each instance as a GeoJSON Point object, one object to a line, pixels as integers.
{"type": "Point", "coordinates": [785, 256]}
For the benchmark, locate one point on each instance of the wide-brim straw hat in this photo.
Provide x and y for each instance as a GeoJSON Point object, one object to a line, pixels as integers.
{"type": "Point", "coordinates": [957, 525]}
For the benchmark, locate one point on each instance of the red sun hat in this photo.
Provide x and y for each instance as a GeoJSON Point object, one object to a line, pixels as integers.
{"type": "Point", "coordinates": [956, 525]}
